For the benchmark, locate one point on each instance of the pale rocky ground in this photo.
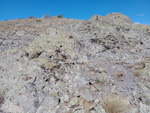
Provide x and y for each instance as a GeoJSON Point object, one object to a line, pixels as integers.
{"type": "Point", "coordinates": [57, 65]}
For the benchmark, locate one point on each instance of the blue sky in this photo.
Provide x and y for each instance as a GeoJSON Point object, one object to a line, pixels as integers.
{"type": "Point", "coordinates": [137, 10]}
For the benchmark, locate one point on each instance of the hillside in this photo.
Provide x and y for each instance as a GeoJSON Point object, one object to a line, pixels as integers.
{"type": "Point", "coordinates": [60, 65]}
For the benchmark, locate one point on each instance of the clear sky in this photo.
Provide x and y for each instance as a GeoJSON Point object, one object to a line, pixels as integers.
{"type": "Point", "coordinates": [137, 10]}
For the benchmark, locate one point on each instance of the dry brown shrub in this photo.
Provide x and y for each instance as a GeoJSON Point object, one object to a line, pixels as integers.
{"type": "Point", "coordinates": [137, 74]}
{"type": "Point", "coordinates": [38, 20]}
{"type": "Point", "coordinates": [114, 104]}
{"type": "Point", "coordinates": [1, 99]}
{"type": "Point", "coordinates": [120, 74]}
{"type": "Point", "coordinates": [31, 17]}
{"type": "Point", "coordinates": [86, 105]}
{"type": "Point", "coordinates": [60, 16]}
{"type": "Point", "coordinates": [139, 66]}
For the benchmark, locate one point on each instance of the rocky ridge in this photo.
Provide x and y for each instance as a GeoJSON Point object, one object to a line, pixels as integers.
{"type": "Point", "coordinates": [59, 65]}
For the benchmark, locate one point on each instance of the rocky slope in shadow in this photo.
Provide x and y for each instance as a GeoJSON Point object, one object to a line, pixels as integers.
{"type": "Point", "coordinates": [57, 65]}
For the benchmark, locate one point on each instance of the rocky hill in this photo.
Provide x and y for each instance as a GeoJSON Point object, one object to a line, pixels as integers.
{"type": "Point", "coordinates": [60, 65]}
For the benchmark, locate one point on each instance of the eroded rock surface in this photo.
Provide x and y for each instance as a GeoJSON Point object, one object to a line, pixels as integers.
{"type": "Point", "coordinates": [58, 65]}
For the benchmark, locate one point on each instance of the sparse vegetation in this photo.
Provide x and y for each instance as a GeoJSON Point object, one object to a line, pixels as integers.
{"type": "Point", "coordinates": [59, 16]}
{"type": "Point", "coordinates": [120, 74]}
{"type": "Point", "coordinates": [70, 37]}
{"type": "Point", "coordinates": [31, 17]}
{"type": "Point", "coordinates": [38, 20]}
{"type": "Point", "coordinates": [137, 74]}
{"type": "Point", "coordinates": [1, 99]}
{"type": "Point", "coordinates": [97, 80]}
{"type": "Point", "coordinates": [139, 66]}
{"type": "Point", "coordinates": [46, 16]}
{"type": "Point", "coordinates": [114, 104]}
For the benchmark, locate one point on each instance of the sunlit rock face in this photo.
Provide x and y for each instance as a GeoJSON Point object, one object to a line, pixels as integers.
{"type": "Point", "coordinates": [59, 65]}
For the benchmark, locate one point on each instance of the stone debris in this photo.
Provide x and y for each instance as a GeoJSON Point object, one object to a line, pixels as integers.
{"type": "Point", "coordinates": [59, 65]}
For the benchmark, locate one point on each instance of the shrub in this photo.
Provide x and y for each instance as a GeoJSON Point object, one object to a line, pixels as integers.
{"type": "Point", "coordinates": [97, 80]}
{"type": "Point", "coordinates": [59, 16]}
{"type": "Point", "coordinates": [30, 17]}
{"type": "Point", "coordinates": [120, 74]}
{"type": "Point", "coordinates": [1, 99]}
{"type": "Point", "coordinates": [137, 74]}
{"type": "Point", "coordinates": [38, 20]}
{"type": "Point", "coordinates": [114, 104]}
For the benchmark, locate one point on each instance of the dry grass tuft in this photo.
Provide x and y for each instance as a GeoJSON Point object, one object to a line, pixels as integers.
{"type": "Point", "coordinates": [137, 74]}
{"type": "Point", "coordinates": [114, 104]}
{"type": "Point", "coordinates": [120, 74]}
{"type": "Point", "coordinates": [1, 99]}
{"type": "Point", "coordinates": [38, 20]}
{"type": "Point", "coordinates": [139, 66]}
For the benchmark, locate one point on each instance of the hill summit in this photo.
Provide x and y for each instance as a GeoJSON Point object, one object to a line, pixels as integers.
{"type": "Point", "coordinates": [60, 65]}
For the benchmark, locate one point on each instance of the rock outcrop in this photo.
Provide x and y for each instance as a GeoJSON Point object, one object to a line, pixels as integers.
{"type": "Point", "coordinates": [57, 65]}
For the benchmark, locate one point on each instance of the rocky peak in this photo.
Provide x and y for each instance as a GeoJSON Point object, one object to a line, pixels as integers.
{"type": "Point", "coordinates": [113, 18]}
{"type": "Point", "coordinates": [143, 27]}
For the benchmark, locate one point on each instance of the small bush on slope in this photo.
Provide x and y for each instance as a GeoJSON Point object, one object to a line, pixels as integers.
{"type": "Point", "coordinates": [114, 104]}
{"type": "Point", "coordinates": [59, 16]}
{"type": "Point", "coordinates": [1, 99]}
